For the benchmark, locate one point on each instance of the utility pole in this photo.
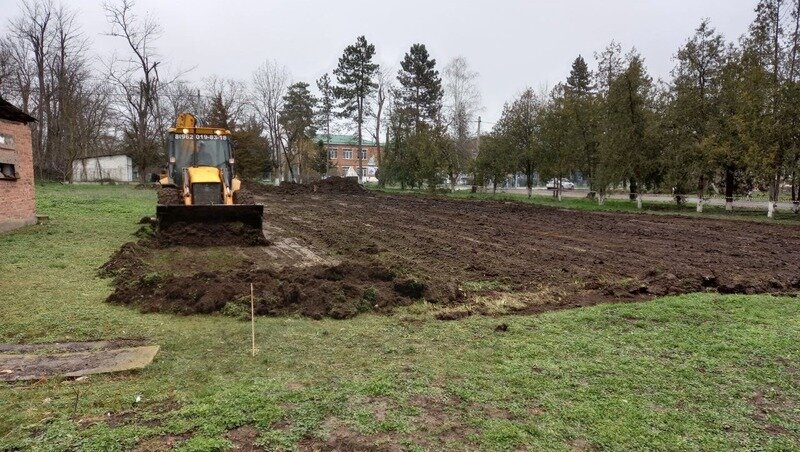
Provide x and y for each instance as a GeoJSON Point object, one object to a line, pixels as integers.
{"type": "Point", "coordinates": [478, 151]}
{"type": "Point", "coordinates": [479, 134]}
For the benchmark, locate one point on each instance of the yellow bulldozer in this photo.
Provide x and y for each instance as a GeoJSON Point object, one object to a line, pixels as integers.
{"type": "Point", "coordinates": [199, 184]}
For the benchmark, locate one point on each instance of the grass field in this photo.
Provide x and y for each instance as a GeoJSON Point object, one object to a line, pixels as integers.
{"type": "Point", "coordinates": [700, 371]}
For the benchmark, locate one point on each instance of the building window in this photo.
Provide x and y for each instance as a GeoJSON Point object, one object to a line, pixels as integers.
{"type": "Point", "coordinates": [363, 154]}
{"type": "Point", "coordinates": [345, 170]}
{"type": "Point", "coordinates": [6, 141]}
{"type": "Point", "coordinates": [348, 154]}
{"type": "Point", "coordinates": [332, 153]}
{"type": "Point", "coordinates": [8, 171]}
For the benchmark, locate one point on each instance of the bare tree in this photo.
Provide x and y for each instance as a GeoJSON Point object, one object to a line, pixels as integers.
{"type": "Point", "coordinates": [227, 96]}
{"type": "Point", "coordinates": [383, 80]}
{"type": "Point", "coordinates": [34, 27]}
{"type": "Point", "coordinates": [137, 81]}
{"type": "Point", "coordinates": [270, 82]}
{"type": "Point", "coordinates": [462, 104]}
{"type": "Point", "coordinates": [177, 98]}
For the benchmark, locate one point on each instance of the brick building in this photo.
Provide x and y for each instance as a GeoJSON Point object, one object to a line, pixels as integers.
{"type": "Point", "coordinates": [17, 197]}
{"type": "Point", "coordinates": [342, 152]}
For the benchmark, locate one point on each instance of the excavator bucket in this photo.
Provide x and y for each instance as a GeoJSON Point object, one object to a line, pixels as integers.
{"type": "Point", "coordinates": [250, 215]}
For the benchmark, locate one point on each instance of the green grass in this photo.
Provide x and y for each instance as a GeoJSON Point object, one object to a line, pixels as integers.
{"type": "Point", "coordinates": [700, 371]}
{"type": "Point", "coordinates": [612, 205]}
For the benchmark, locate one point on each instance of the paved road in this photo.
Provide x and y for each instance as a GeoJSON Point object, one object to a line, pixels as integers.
{"type": "Point", "coordinates": [581, 193]}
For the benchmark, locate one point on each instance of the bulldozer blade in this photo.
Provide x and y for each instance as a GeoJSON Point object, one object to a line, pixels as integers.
{"type": "Point", "coordinates": [247, 214]}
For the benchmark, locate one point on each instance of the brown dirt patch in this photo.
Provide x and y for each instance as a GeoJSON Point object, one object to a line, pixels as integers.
{"type": "Point", "coordinates": [335, 254]}
{"type": "Point", "coordinates": [161, 443]}
{"type": "Point", "coordinates": [339, 291]}
{"type": "Point", "coordinates": [244, 438]}
{"type": "Point", "coordinates": [541, 258]}
{"type": "Point", "coordinates": [768, 403]}
{"type": "Point", "coordinates": [343, 438]}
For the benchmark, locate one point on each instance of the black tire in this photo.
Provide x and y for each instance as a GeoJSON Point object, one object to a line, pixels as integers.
{"type": "Point", "coordinates": [169, 196]}
{"type": "Point", "coordinates": [243, 196]}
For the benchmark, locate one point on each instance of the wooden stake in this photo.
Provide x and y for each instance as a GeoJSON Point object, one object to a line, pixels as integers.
{"type": "Point", "coordinates": [252, 319]}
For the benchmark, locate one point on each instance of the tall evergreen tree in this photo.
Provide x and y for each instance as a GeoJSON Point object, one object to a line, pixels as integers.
{"type": "Point", "coordinates": [420, 86]}
{"type": "Point", "coordinates": [355, 77]}
{"type": "Point", "coordinates": [325, 107]}
{"type": "Point", "coordinates": [297, 120]}
{"type": "Point", "coordinates": [580, 104]}
{"type": "Point", "coordinates": [580, 78]}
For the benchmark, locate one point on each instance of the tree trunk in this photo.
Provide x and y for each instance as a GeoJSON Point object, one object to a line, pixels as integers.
{"type": "Point", "coordinates": [729, 181]}
{"type": "Point", "coordinates": [700, 192]}
{"type": "Point", "coordinates": [638, 200]}
{"type": "Point", "coordinates": [601, 197]}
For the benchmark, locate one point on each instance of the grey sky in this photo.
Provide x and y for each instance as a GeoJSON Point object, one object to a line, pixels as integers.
{"type": "Point", "coordinates": [512, 44]}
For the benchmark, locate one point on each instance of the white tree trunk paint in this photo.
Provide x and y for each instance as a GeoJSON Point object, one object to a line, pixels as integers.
{"type": "Point", "coordinates": [699, 205]}
{"type": "Point", "coordinates": [729, 205]}
{"type": "Point", "coordinates": [638, 200]}
{"type": "Point", "coordinates": [770, 209]}
{"type": "Point", "coordinates": [601, 199]}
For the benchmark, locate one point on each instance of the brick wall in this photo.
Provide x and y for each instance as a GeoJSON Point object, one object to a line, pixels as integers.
{"type": "Point", "coordinates": [17, 197]}
{"type": "Point", "coordinates": [343, 163]}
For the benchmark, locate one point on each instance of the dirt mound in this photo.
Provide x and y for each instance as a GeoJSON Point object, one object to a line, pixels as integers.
{"type": "Point", "coordinates": [331, 185]}
{"type": "Point", "coordinates": [208, 234]}
{"type": "Point", "coordinates": [338, 291]}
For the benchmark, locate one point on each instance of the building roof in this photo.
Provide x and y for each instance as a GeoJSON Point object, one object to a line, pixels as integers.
{"type": "Point", "coordinates": [12, 113]}
{"type": "Point", "coordinates": [346, 140]}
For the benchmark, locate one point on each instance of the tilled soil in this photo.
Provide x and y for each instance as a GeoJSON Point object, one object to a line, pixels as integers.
{"type": "Point", "coordinates": [470, 257]}
{"type": "Point", "coordinates": [543, 258]}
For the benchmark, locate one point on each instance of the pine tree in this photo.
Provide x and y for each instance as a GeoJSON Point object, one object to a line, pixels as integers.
{"type": "Point", "coordinates": [297, 120]}
{"type": "Point", "coordinates": [355, 77]}
{"type": "Point", "coordinates": [579, 81]}
{"type": "Point", "coordinates": [420, 86]}
{"type": "Point", "coordinates": [325, 113]}
{"type": "Point", "coordinates": [580, 103]}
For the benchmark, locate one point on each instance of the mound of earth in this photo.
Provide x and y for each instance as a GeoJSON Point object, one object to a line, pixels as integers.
{"type": "Point", "coordinates": [331, 185]}
{"type": "Point", "coordinates": [208, 234]}
{"type": "Point", "coordinates": [337, 291]}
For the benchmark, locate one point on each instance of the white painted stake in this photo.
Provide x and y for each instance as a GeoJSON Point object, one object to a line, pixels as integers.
{"type": "Point", "coordinates": [252, 319]}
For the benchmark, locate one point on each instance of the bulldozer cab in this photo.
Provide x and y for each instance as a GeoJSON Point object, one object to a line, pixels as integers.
{"type": "Point", "coordinates": [197, 149]}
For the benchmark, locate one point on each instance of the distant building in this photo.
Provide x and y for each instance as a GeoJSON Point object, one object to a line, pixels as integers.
{"type": "Point", "coordinates": [17, 194]}
{"type": "Point", "coordinates": [117, 168]}
{"type": "Point", "coordinates": [343, 155]}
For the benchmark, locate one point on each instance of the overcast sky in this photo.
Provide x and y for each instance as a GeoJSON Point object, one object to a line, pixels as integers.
{"type": "Point", "coordinates": [512, 44]}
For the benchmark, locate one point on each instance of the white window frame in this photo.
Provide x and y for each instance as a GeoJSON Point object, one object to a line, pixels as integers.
{"type": "Point", "coordinates": [333, 153]}
{"type": "Point", "coordinates": [347, 154]}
